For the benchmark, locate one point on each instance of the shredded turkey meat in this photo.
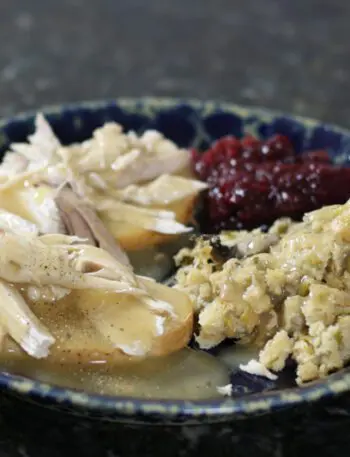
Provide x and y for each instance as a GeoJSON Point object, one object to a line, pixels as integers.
{"type": "Point", "coordinates": [124, 176]}
{"type": "Point", "coordinates": [32, 266]}
{"type": "Point", "coordinates": [81, 220]}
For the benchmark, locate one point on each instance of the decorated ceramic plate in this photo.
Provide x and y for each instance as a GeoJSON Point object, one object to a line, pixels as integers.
{"type": "Point", "coordinates": [174, 259]}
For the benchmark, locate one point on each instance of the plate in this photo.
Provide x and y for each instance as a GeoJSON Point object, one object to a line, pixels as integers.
{"type": "Point", "coordinates": [189, 124]}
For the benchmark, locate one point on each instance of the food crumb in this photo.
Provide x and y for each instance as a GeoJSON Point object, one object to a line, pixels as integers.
{"type": "Point", "coordinates": [256, 368]}
{"type": "Point", "coordinates": [226, 391]}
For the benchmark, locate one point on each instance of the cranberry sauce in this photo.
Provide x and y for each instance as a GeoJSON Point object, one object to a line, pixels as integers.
{"type": "Point", "coordinates": [254, 182]}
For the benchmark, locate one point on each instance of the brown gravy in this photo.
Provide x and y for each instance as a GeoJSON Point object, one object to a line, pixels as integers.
{"type": "Point", "coordinates": [187, 375]}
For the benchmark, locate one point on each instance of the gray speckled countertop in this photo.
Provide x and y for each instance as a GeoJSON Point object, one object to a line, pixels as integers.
{"type": "Point", "coordinates": [289, 55]}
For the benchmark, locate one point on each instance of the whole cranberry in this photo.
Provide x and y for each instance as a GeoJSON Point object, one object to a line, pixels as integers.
{"type": "Point", "coordinates": [278, 148]}
{"type": "Point", "coordinates": [228, 146]}
{"type": "Point", "coordinates": [251, 149]}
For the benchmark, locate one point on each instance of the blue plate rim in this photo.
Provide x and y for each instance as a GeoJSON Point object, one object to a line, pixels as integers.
{"type": "Point", "coordinates": [214, 410]}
